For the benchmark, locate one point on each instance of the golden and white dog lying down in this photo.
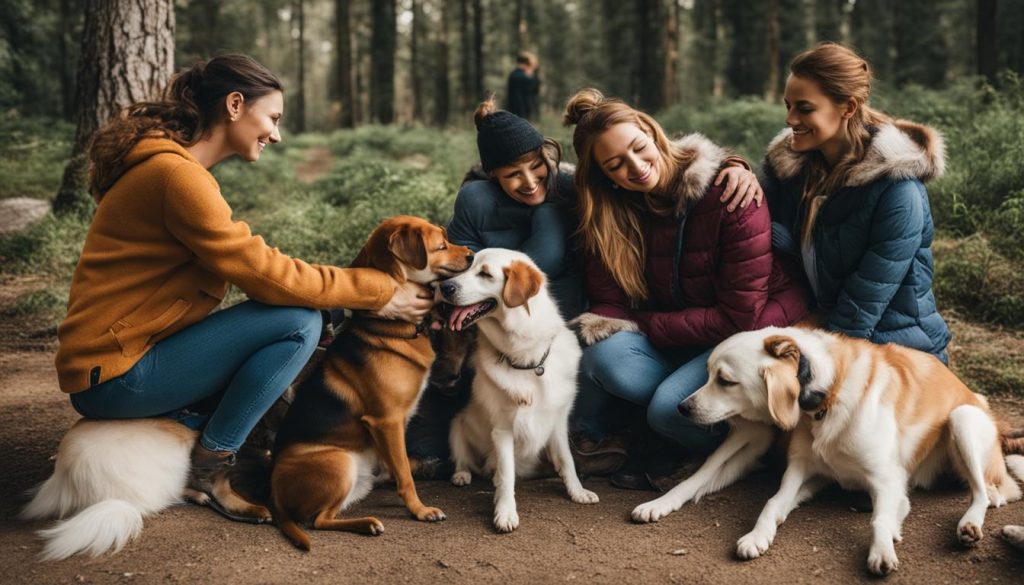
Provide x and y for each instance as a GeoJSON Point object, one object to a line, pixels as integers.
{"type": "Point", "coordinates": [881, 418]}
{"type": "Point", "coordinates": [526, 361]}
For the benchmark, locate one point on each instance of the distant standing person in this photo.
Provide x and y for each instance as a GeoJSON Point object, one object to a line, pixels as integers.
{"type": "Point", "coordinates": [524, 86]}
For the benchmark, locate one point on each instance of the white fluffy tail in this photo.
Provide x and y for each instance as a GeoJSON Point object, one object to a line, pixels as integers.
{"type": "Point", "coordinates": [108, 525]}
{"type": "Point", "coordinates": [108, 475]}
{"type": "Point", "coordinates": [1015, 463]}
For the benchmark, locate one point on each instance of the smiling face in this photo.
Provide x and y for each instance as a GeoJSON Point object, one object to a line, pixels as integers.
{"type": "Point", "coordinates": [524, 180]}
{"type": "Point", "coordinates": [629, 157]}
{"type": "Point", "coordinates": [818, 122]}
{"type": "Point", "coordinates": [252, 124]}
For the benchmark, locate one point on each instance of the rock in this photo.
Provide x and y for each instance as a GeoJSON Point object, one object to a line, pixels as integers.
{"type": "Point", "coordinates": [21, 212]}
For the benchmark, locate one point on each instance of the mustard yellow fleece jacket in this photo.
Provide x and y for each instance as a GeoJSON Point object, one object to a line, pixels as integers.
{"type": "Point", "coordinates": [158, 257]}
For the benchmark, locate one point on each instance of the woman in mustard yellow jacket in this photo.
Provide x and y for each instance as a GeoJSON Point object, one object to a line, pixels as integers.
{"type": "Point", "coordinates": [138, 339]}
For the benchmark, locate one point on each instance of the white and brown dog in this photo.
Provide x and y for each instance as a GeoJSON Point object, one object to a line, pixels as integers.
{"type": "Point", "coordinates": [526, 361]}
{"type": "Point", "coordinates": [881, 418]}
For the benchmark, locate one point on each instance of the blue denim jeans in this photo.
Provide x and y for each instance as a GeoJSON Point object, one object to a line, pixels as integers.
{"type": "Point", "coordinates": [628, 367]}
{"type": "Point", "coordinates": [251, 352]}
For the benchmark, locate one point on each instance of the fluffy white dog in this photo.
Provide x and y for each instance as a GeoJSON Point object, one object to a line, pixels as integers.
{"type": "Point", "coordinates": [526, 361]}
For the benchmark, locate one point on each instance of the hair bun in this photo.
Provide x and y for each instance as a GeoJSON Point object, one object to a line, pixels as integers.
{"type": "Point", "coordinates": [486, 108]}
{"type": "Point", "coordinates": [584, 102]}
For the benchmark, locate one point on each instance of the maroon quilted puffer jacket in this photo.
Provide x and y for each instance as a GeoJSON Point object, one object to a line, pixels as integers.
{"type": "Point", "coordinates": [719, 278]}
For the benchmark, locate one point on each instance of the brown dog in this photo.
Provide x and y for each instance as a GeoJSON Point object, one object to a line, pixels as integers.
{"type": "Point", "coordinates": [353, 409]}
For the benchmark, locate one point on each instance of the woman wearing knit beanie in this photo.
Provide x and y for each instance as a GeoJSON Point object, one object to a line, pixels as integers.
{"type": "Point", "coordinates": [519, 197]}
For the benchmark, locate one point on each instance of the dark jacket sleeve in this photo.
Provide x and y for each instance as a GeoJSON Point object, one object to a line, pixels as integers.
{"type": "Point", "coordinates": [741, 284]}
{"type": "Point", "coordinates": [548, 242]}
{"type": "Point", "coordinates": [471, 207]}
{"type": "Point", "coordinates": [894, 239]}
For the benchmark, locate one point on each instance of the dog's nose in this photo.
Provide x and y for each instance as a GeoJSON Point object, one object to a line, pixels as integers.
{"type": "Point", "coordinates": [447, 288]}
{"type": "Point", "coordinates": [684, 408]}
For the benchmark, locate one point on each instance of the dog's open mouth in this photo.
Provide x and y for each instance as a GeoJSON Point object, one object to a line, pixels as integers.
{"type": "Point", "coordinates": [464, 316]}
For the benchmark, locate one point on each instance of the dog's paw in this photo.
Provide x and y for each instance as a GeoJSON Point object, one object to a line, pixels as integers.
{"type": "Point", "coordinates": [196, 496]}
{"type": "Point", "coordinates": [882, 559]}
{"type": "Point", "coordinates": [752, 545]}
{"type": "Point", "coordinates": [969, 533]}
{"type": "Point", "coordinates": [506, 520]}
{"type": "Point", "coordinates": [429, 514]}
{"type": "Point", "coordinates": [1014, 535]}
{"type": "Point", "coordinates": [461, 478]}
{"type": "Point", "coordinates": [651, 511]}
{"type": "Point", "coordinates": [583, 496]}
{"type": "Point", "coordinates": [591, 328]}
{"type": "Point", "coordinates": [373, 527]}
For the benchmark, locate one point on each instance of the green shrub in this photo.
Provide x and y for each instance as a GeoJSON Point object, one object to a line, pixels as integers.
{"type": "Point", "coordinates": [33, 154]}
{"type": "Point", "coordinates": [974, 278]}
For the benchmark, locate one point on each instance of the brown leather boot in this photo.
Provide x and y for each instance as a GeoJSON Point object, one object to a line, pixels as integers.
{"type": "Point", "coordinates": [208, 467]}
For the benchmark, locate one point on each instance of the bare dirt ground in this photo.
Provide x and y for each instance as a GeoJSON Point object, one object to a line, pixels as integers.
{"type": "Point", "coordinates": [824, 541]}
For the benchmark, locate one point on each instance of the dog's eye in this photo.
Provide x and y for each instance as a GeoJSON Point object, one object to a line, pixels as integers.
{"type": "Point", "coordinates": [443, 246]}
{"type": "Point", "coordinates": [484, 274]}
{"type": "Point", "coordinates": [725, 381]}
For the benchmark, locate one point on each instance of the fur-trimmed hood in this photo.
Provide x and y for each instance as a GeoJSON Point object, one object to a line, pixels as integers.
{"type": "Point", "coordinates": [708, 159]}
{"type": "Point", "coordinates": [899, 150]}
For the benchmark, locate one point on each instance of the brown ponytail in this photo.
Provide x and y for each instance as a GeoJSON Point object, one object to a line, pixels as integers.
{"type": "Point", "coordinates": [190, 105]}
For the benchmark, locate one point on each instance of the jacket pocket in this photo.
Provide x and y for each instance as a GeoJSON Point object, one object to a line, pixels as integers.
{"type": "Point", "coordinates": [134, 332]}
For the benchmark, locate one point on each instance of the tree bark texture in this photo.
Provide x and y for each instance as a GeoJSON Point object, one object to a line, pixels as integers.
{"type": "Point", "coordinates": [382, 61]}
{"type": "Point", "coordinates": [343, 71]}
{"type": "Point", "coordinates": [127, 56]}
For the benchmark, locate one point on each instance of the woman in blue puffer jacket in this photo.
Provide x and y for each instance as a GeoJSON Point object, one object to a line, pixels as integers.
{"type": "Point", "coordinates": [845, 186]}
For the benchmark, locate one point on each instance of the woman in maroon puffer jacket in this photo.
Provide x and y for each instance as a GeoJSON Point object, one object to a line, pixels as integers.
{"type": "Point", "coordinates": [670, 271]}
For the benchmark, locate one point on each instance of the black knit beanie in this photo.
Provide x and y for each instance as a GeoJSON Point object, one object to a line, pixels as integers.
{"type": "Point", "coordinates": [502, 137]}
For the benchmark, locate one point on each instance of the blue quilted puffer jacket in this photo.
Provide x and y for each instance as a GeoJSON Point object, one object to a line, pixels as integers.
{"type": "Point", "coordinates": [871, 239]}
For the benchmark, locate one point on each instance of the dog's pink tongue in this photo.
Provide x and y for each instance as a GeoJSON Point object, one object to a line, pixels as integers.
{"type": "Point", "coordinates": [459, 315]}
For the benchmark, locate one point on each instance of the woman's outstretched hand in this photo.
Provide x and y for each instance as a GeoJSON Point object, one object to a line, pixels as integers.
{"type": "Point", "coordinates": [741, 187]}
{"type": "Point", "coordinates": [411, 302]}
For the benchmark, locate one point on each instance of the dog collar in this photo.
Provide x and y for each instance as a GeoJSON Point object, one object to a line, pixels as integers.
{"type": "Point", "coordinates": [393, 329]}
{"type": "Point", "coordinates": [538, 368]}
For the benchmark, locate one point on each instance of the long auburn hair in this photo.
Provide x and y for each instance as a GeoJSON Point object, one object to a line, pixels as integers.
{"type": "Point", "coordinates": [189, 106]}
{"type": "Point", "coordinates": [841, 74]}
{"type": "Point", "coordinates": [550, 152]}
{"type": "Point", "coordinates": [611, 221]}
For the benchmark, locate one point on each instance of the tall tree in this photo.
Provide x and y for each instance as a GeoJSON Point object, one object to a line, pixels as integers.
{"type": "Point", "coordinates": [299, 14]}
{"type": "Point", "coordinates": [648, 91]}
{"type": "Point", "coordinates": [747, 72]}
{"type": "Point", "coordinates": [988, 33]}
{"type": "Point", "coordinates": [772, 92]}
{"type": "Point", "coordinates": [465, 57]}
{"type": "Point", "coordinates": [114, 71]}
{"type": "Point", "coordinates": [343, 63]}
{"type": "Point", "coordinates": [382, 61]}
{"type": "Point", "coordinates": [670, 84]}
{"type": "Point", "coordinates": [921, 53]}
{"type": "Point", "coordinates": [478, 51]}
{"type": "Point", "coordinates": [442, 90]}
{"type": "Point", "coordinates": [416, 64]}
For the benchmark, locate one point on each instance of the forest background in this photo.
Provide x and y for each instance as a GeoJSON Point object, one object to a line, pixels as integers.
{"type": "Point", "coordinates": [379, 96]}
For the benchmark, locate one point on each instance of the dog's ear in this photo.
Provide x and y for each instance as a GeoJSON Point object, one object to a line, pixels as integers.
{"type": "Point", "coordinates": [781, 381]}
{"type": "Point", "coordinates": [783, 396]}
{"type": "Point", "coordinates": [783, 348]}
{"type": "Point", "coordinates": [407, 245]}
{"type": "Point", "coordinates": [522, 282]}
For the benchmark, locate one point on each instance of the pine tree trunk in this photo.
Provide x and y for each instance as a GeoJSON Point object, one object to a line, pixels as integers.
{"type": "Point", "coordinates": [443, 88]}
{"type": "Point", "coordinates": [343, 42]}
{"type": "Point", "coordinates": [300, 92]}
{"type": "Point", "coordinates": [671, 82]}
{"type": "Point", "coordinates": [67, 72]}
{"type": "Point", "coordinates": [719, 52]}
{"type": "Point", "coordinates": [772, 93]}
{"type": "Point", "coordinates": [115, 70]}
{"type": "Point", "coordinates": [478, 51]}
{"type": "Point", "coordinates": [416, 64]}
{"type": "Point", "coordinates": [382, 61]}
{"type": "Point", "coordinates": [988, 53]}
{"type": "Point", "coordinates": [466, 62]}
